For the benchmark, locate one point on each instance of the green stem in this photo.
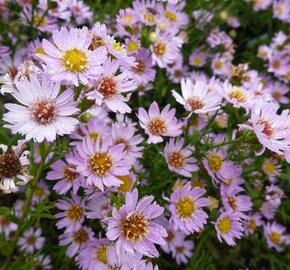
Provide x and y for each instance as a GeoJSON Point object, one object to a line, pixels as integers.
{"type": "Point", "coordinates": [23, 217]}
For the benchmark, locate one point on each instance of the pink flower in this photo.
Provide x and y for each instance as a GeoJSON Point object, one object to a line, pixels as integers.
{"type": "Point", "coordinates": [73, 213]}
{"type": "Point", "coordinates": [157, 124]}
{"type": "Point", "coordinates": [110, 86]}
{"type": "Point", "coordinates": [275, 236]}
{"type": "Point", "coordinates": [133, 226]}
{"type": "Point", "coordinates": [43, 113]}
{"type": "Point", "coordinates": [229, 227]}
{"type": "Point", "coordinates": [252, 222]}
{"type": "Point", "coordinates": [186, 210]}
{"type": "Point", "coordinates": [70, 58]}
{"type": "Point", "coordinates": [31, 240]}
{"type": "Point", "coordinates": [7, 226]}
{"type": "Point", "coordinates": [183, 249]}
{"type": "Point", "coordinates": [180, 159]}
{"type": "Point", "coordinates": [199, 97]}
{"type": "Point", "coordinates": [100, 163]}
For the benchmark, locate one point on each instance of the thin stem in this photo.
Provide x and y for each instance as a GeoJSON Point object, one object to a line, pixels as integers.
{"type": "Point", "coordinates": [24, 215]}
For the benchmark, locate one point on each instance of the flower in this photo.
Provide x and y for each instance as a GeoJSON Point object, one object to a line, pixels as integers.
{"type": "Point", "coordinates": [198, 97]}
{"type": "Point", "coordinates": [270, 128]}
{"type": "Point", "coordinates": [109, 87]}
{"type": "Point", "coordinates": [100, 163]}
{"type": "Point", "coordinates": [133, 226]}
{"type": "Point", "coordinates": [271, 168]}
{"type": "Point", "coordinates": [66, 175]}
{"type": "Point", "coordinates": [43, 113]}
{"type": "Point", "coordinates": [74, 212]}
{"type": "Point", "coordinates": [157, 124]}
{"type": "Point", "coordinates": [274, 195]}
{"type": "Point", "coordinates": [186, 210]}
{"type": "Point", "coordinates": [69, 59]}
{"type": "Point", "coordinates": [275, 236]}
{"type": "Point", "coordinates": [179, 159]}
{"type": "Point", "coordinates": [98, 206]}
{"type": "Point", "coordinates": [183, 249]}
{"type": "Point", "coordinates": [76, 239]}
{"type": "Point", "coordinates": [253, 221]}
{"type": "Point", "coordinates": [7, 226]}
{"type": "Point", "coordinates": [229, 227]}
{"type": "Point", "coordinates": [13, 167]}
{"type": "Point", "coordinates": [31, 240]}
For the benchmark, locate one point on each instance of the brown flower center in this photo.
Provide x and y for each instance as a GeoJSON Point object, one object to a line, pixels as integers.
{"type": "Point", "coordinates": [81, 236]}
{"type": "Point", "coordinates": [75, 212]}
{"type": "Point", "coordinates": [10, 165]}
{"type": "Point", "coordinates": [96, 43]}
{"type": "Point", "coordinates": [43, 112]}
{"type": "Point", "coordinates": [195, 103]}
{"type": "Point", "coordinates": [69, 175]}
{"type": "Point", "coordinates": [31, 240]}
{"type": "Point", "coordinates": [170, 236]}
{"type": "Point", "coordinates": [101, 163]}
{"type": "Point", "coordinates": [139, 67]}
{"type": "Point", "coordinates": [267, 130]}
{"type": "Point", "coordinates": [176, 160]}
{"type": "Point", "coordinates": [232, 202]}
{"type": "Point", "coordinates": [134, 228]}
{"type": "Point", "coordinates": [276, 64]}
{"type": "Point", "coordinates": [107, 87]}
{"type": "Point", "coordinates": [275, 237]}
{"type": "Point", "coordinates": [159, 49]}
{"type": "Point", "coordinates": [157, 126]}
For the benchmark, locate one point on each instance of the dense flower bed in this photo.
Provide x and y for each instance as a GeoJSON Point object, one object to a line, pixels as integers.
{"type": "Point", "coordinates": [144, 135]}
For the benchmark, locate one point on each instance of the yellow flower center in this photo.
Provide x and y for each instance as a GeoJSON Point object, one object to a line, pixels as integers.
{"type": "Point", "coordinates": [148, 18]}
{"type": "Point", "coordinates": [132, 46]}
{"type": "Point", "coordinates": [69, 175]}
{"type": "Point", "coordinates": [134, 228]}
{"type": "Point", "coordinates": [185, 207]}
{"type": "Point", "coordinates": [126, 185]}
{"type": "Point", "coordinates": [101, 163]}
{"type": "Point", "coordinates": [214, 162]}
{"type": "Point", "coordinates": [39, 192]}
{"type": "Point", "coordinates": [39, 20]}
{"type": "Point", "coordinates": [218, 64]}
{"type": "Point", "coordinates": [269, 167]}
{"type": "Point", "coordinates": [75, 212]}
{"type": "Point", "coordinates": [75, 61]}
{"type": "Point", "coordinates": [238, 94]}
{"type": "Point", "coordinates": [275, 237]}
{"type": "Point", "coordinates": [94, 136]}
{"type": "Point", "coordinates": [252, 224]}
{"type": "Point", "coordinates": [101, 254]}
{"type": "Point", "coordinates": [127, 18]}
{"type": "Point", "coordinates": [176, 159]}
{"type": "Point", "coordinates": [40, 51]}
{"type": "Point", "coordinates": [197, 61]}
{"type": "Point", "coordinates": [170, 16]}
{"type": "Point", "coordinates": [224, 225]}
{"type": "Point", "coordinates": [157, 126]}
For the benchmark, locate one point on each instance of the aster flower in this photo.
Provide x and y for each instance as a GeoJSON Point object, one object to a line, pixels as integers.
{"type": "Point", "coordinates": [278, 91]}
{"type": "Point", "coordinates": [133, 228]}
{"type": "Point", "coordinates": [252, 222]}
{"type": "Point", "coordinates": [76, 240]}
{"type": "Point", "coordinates": [274, 195]}
{"type": "Point", "coordinates": [100, 163]}
{"type": "Point", "coordinates": [66, 175]}
{"type": "Point", "coordinates": [13, 167]}
{"type": "Point", "coordinates": [73, 213]}
{"type": "Point", "coordinates": [40, 193]}
{"type": "Point", "coordinates": [272, 169]}
{"type": "Point", "coordinates": [157, 124]}
{"type": "Point", "coordinates": [197, 58]}
{"type": "Point", "coordinates": [7, 226]}
{"type": "Point", "coordinates": [198, 97]}
{"type": "Point", "coordinates": [179, 158]}
{"type": "Point", "coordinates": [183, 249]}
{"type": "Point", "coordinates": [93, 255]}
{"type": "Point", "coordinates": [229, 227]}
{"type": "Point", "coordinates": [98, 206]}
{"type": "Point", "coordinates": [144, 265]}
{"type": "Point", "coordinates": [31, 240]}
{"type": "Point", "coordinates": [276, 236]}
{"type": "Point", "coordinates": [69, 58]}
{"type": "Point", "coordinates": [110, 86]}
{"type": "Point", "coordinates": [186, 210]}
{"type": "Point", "coordinates": [42, 262]}
{"type": "Point", "coordinates": [270, 127]}
{"type": "Point", "coordinates": [268, 210]}
{"type": "Point", "coordinates": [43, 113]}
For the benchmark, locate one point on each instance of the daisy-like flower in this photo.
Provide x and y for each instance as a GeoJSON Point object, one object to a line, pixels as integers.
{"type": "Point", "coordinates": [76, 239]}
{"type": "Point", "coordinates": [157, 124]}
{"type": "Point", "coordinates": [93, 255]}
{"type": "Point", "coordinates": [110, 86]}
{"type": "Point", "coordinates": [7, 226]}
{"type": "Point", "coordinates": [101, 162]}
{"type": "Point", "coordinates": [198, 97]}
{"type": "Point", "coordinates": [278, 90]}
{"type": "Point", "coordinates": [197, 58]}
{"type": "Point", "coordinates": [66, 176]}
{"type": "Point", "coordinates": [183, 249]}
{"type": "Point", "coordinates": [43, 113]}
{"type": "Point", "coordinates": [268, 210]}
{"type": "Point", "coordinates": [270, 127]}
{"type": "Point", "coordinates": [133, 228]}
{"type": "Point", "coordinates": [69, 59]}
{"type": "Point", "coordinates": [13, 167]}
{"type": "Point", "coordinates": [73, 213]}
{"type": "Point", "coordinates": [179, 158]}
{"type": "Point", "coordinates": [271, 168]}
{"type": "Point", "coordinates": [42, 262]}
{"type": "Point", "coordinates": [274, 195]}
{"type": "Point", "coordinates": [275, 236]}
{"type": "Point", "coordinates": [252, 222]}
{"type": "Point", "coordinates": [186, 210]}
{"type": "Point", "coordinates": [145, 265]}
{"type": "Point", "coordinates": [31, 240]}
{"type": "Point", "coordinates": [98, 206]}
{"type": "Point", "coordinates": [229, 227]}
